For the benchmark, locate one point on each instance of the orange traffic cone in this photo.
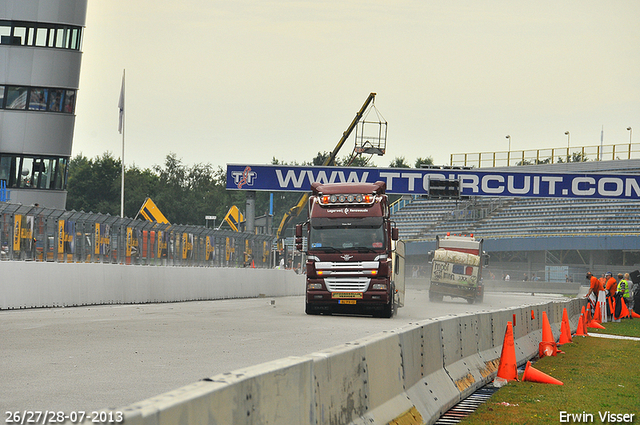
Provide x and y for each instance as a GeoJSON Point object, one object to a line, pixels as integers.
{"type": "Point", "coordinates": [507, 369]}
{"type": "Point", "coordinates": [612, 307]}
{"type": "Point", "coordinates": [580, 331]}
{"type": "Point", "coordinates": [595, 325]}
{"type": "Point", "coordinates": [597, 316]}
{"type": "Point", "coordinates": [533, 315]}
{"type": "Point", "coordinates": [547, 333]}
{"type": "Point", "coordinates": [546, 349]}
{"type": "Point", "coordinates": [565, 333]}
{"type": "Point", "coordinates": [534, 375]}
{"type": "Point", "coordinates": [625, 311]}
{"type": "Point", "coordinates": [584, 326]}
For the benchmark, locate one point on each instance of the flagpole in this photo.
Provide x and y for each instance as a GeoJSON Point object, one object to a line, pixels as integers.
{"type": "Point", "coordinates": [121, 105]}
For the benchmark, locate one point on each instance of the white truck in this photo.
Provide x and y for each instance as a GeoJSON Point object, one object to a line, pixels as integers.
{"type": "Point", "coordinates": [456, 268]}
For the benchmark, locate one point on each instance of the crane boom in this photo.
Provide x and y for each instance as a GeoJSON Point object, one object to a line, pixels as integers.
{"type": "Point", "coordinates": [330, 160]}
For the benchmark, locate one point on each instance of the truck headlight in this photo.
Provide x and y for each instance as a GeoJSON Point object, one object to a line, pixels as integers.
{"type": "Point", "coordinates": [379, 286]}
{"type": "Point", "coordinates": [314, 286]}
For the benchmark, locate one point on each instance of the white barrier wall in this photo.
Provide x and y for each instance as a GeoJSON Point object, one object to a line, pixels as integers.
{"type": "Point", "coordinates": [411, 375]}
{"type": "Point", "coordinates": [37, 284]}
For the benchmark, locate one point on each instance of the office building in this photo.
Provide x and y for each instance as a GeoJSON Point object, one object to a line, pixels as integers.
{"type": "Point", "coordinates": [40, 56]}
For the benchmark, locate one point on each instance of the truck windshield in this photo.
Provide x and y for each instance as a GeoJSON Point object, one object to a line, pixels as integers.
{"type": "Point", "coordinates": [367, 235]}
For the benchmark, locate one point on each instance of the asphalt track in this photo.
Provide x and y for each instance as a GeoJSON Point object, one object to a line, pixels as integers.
{"type": "Point", "coordinates": [87, 358]}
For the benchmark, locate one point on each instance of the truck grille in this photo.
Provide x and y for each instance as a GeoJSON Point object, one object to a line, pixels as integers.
{"type": "Point", "coordinates": [347, 284]}
{"type": "Point", "coordinates": [349, 267]}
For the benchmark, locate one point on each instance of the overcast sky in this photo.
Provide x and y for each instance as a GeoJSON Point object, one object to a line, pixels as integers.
{"type": "Point", "coordinates": [244, 81]}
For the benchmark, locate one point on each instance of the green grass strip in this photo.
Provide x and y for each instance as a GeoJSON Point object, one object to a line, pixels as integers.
{"type": "Point", "coordinates": [601, 377]}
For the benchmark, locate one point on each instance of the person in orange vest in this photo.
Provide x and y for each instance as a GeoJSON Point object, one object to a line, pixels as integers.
{"type": "Point", "coordinates": [595, 286]}
{"type": "Point", "coordinates": [611, 286]}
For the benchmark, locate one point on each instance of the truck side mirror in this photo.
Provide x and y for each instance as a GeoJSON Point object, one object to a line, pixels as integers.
{"type": "Point", "coordinates": [485, 259]}
{"type": "Point", "coordinates": [395, 235]}
{"type": "Point", "coordinates": [429, 256]}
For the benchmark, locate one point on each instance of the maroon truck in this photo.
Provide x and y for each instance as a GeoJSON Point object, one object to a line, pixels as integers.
{"type": "Point", "coordinates": [355, 263]}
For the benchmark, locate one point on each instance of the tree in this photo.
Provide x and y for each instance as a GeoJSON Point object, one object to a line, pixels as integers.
{"type": "Point", "coordinates": [94, 185]}
{"type": "Point", "coordinates": [320, 158]}
{"type": "Point", "coordinates": [359, 161]}
{"type": "Point", "coordinates": [424, 161]}
{"type": "Point", "coordinates": [187, 194]}
{"type": "Point", "coordinates": [575, 157]}
{"type": "Point", "coordinates": [140, 184]}
{"type": "Point", "coordinates": [399, 162]}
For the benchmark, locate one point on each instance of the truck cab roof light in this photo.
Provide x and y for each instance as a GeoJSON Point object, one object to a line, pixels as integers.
{"type": "Point", "coordinates": [347, 199]}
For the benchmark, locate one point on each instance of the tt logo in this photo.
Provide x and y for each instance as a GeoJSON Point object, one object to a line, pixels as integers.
{"type": "Point", "coordinates": [347, 257]}
{"type": "Point", "coordinates": [240, 178]}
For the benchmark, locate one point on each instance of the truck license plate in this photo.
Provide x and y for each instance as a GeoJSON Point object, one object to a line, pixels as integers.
{"type": "Point", "coordinates": [346, 301]}
{"type": "Point", "coordinates": [352, 295]}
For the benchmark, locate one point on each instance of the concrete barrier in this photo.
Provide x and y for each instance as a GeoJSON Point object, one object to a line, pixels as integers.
{"type": "Point", "coordinates": [35, 284]}
{"type": "Point", "coordinates": [411, 376]}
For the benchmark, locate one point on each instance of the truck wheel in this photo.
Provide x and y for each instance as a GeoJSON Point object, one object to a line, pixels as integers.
{"type": "Point", "coordinates": [387, 312]}
{"type": "Point", "coordinates": [471, 300]}
{"type": "Point", "coordinates": [480, 297]}
{"type": "Point", "coordinates": [310, 310]}
{"type": "Point", "coordinates": [390, 308]}
{"type": "Point", "coordinates": [435, 298]}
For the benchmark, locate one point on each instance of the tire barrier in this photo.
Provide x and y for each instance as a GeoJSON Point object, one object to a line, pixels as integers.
{"type": "Point", "coordinates": [411, 375]}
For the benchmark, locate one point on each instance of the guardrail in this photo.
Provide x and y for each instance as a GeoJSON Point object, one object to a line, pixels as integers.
{"type": "Point", "coordinates": [34, 233]}
{"type": "Point", "coordinates": [411, 375]}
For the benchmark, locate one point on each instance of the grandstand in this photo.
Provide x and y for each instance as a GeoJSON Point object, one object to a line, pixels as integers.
{"type": "Point", "coordinates": [493, 218]}
{"type": "Point", "coordinates": [527, 235]}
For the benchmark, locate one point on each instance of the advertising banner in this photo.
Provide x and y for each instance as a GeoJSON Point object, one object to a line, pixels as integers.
{"type": "Point", "coordinates": [129, 242]}
{"type": "Point", "coordinates": [210, 249]}
{"type": "Point", "coordinates": [415, 181]}
{"type": "Point", "coordinates": [61, 237]}
{"type": "Point", "coordinates": [17, 230]}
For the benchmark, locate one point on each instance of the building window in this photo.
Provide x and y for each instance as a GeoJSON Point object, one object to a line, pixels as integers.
{"type": "Point", "coordinates": [40, 34]}
{"type": "Point", "coordinates": [38, 99]}
{"type": "Point", "coordinates": [16, 97]}
{"type": "Point", "coordinates": [33, 172]}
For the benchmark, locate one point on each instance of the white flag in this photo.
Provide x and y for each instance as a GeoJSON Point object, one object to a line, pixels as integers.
{"type": "Point", "coordinates": [121, 106]}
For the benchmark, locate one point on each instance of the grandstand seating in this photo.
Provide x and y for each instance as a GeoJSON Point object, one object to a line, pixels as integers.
{"type": "Point", "coordinates": [423, 219]}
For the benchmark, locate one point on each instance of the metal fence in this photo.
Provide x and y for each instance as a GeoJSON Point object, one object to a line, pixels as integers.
{"type": "Point", "coordinates": [30, 233]}
{"type": "Point", "coordinates": [546, 156]}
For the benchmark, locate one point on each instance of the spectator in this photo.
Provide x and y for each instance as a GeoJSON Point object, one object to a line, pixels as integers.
{"type": "Point", "coordinates": [624, 289]}
{"type": "Point", "coordinates": [595, 286]}
{"type": "Point", "coordinates": [611, 287]}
